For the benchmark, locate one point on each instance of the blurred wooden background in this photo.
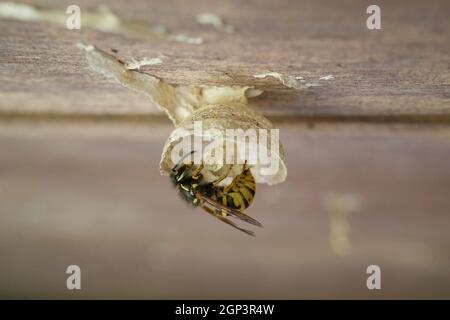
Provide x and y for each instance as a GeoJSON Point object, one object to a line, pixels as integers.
{"type": "Point", "coordinates": [368, 155]}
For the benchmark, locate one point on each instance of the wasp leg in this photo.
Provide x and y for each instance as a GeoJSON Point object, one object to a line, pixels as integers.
{"type": "Point", "coordinates": [227, 188]}
{"type": "Point", "coordinates": [227, 221]}
{"type": "Point", "coordinates": [197, 171]}
{"type": "Point", "coordinates": [244, 167]}
{"type": "Point", "coordinates": [217, 181]}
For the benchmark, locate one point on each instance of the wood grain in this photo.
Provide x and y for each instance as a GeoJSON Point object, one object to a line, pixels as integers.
{"type": "Point", "coordinates": [402, 69]}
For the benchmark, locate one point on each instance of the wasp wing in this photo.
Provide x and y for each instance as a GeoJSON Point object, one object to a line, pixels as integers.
{"type": "Point", "coordinates": [232, 212]}
{"type": "Point", "coordinates": [227, 221]}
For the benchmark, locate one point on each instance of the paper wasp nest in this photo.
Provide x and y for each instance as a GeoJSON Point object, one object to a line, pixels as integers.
{"type": "Point", "coordinates": [220, 118]}
{"type": "Point", "coordinates": [218, 109]}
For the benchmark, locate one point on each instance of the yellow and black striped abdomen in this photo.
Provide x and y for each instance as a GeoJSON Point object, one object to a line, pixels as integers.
{"type": "Point", "coordinates": [239, 194]}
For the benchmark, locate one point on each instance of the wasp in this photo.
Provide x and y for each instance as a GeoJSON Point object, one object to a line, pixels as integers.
{"type": "Point", "coordinates": [219, 201]}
